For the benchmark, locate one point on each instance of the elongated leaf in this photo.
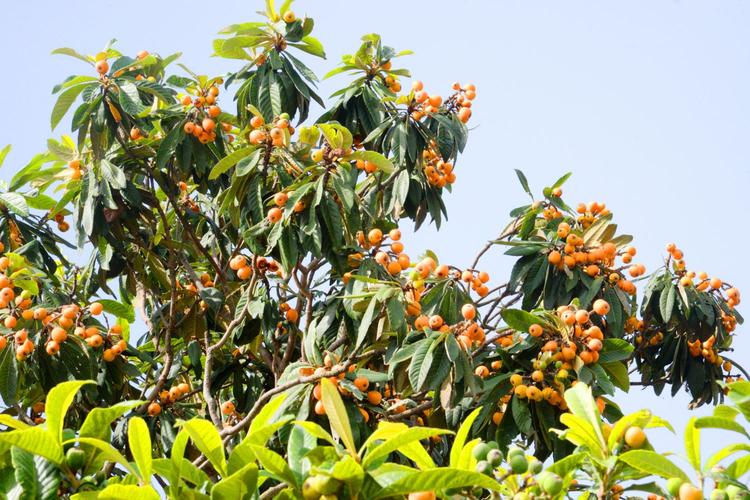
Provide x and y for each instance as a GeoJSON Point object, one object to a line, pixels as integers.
{"type": "Point", "coordinates": [581, 403]}
{"type": "Point", "coordinates": [229, 161]}
{"type": "Point", "coordinates": [399, 440]}
{"type": "Point", "coordinates": [59, 400]}
{"type": "Point", "coordinates": [64, 101]}
{"type": "Point", "coordinates": [107, 452]}
{"type": "Point", "coordinates": [241, 485]}
{"type": "Point", "coordinates": [35, 440]}
{"type": "Point", "coordinates": [652, 462]}
{"type": "Point", "coordinates": [139, 440]}
{"type": "Point", "coordinates": [15, 202]}
{"type": "Point", "coordinates": [720, 423]}
{"type": "Point", "coordinates": [128, 492]}
{"type": "Point", "coordinates": [98, 422]}
{"type": "Point", "coordinates": [461, 435]}
{"type": "Point", "coordinates": [337, 415]}
{"type": "Point", "coordinates": [274, 464]}
{"type": "Point", "coordinates": [207, 440]}
{"type": "Point", "coordinates": [693, 444]}
{"type": "Point", "coordinates": [437, 479]}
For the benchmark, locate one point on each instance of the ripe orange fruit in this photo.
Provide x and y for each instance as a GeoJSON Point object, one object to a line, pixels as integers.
{"type": "Point", "coordinates": [481, 371]}
{"type": "Point", "coordinates": [274, 215]}
{"type": "Point", "coordinates": [422, 495]}
{"type": "Point", "coordinates": [213, 112]}
{"type": "Point", "coordinates": [154, 409]}
{"type": "Point", "coordinates": [601, 307]}
{"type": "Point", "coordinates": [374, 397]}
{"type": "Point", "coordinates": [96, 308]}
{"type": "Point", "coordinates": [280, 199]}
{"type": "Point", "coordinates": [469, 312]}
{"type": "Point", "coordinates": [102, 67]}
{"type": "Point", "coordinates": [554, 257]}
{"type": "Point", "coordinates": [52, 347]}
{"type": "Point", "coordinates": [375, 236]}
{"type": "Point", "coordinates": [535, 330]}
{"type": "Point", "coordinates": [436, 321]}
{"type": "Point", "coordinates": [361, 383]}
{"type": "Point", "coordinates": [227, 407]}
{"type": "Point", "coordinates": [108, 355]}
{"type": "Point", "coordinates": [244, 272]}
{"type": "Point", "coordinates": [291, 315]}
{"type": "Point", "coordinates": [635, 437]}
{"type": "Point", "coordinates": [237, 262]}
{"type": "Point", "coordinates": [289, 17]}
{"type": "Point", "coordinates": [10, 322]}
{"type": "Point", "coordinates": [319, 408]}
{"type": "Point", "coordinates": [58, 334]}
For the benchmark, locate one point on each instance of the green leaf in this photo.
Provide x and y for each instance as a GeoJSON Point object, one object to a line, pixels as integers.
{"type": "Point", "coordinates": [524, 182]}
{"type": "Point", "coordinates": [230, 160]}
{"type": "Point", "coordinates": [118, 309]}
{"type": "Point", "coordinates": [337, 415]}
{"type": "Point", "coordinates": [3, 153]}
{"type": "Point", "coordinates": [128, 492]}
{"type": "Point", "coordinates": [520, 320]}
{"type": "Point", "coordinates": [724, 453]}
{"type": "Point", "coordinates": [67, 51]}
{"type": "Point", "coordinates": [59, 400]}
{"type": "Point", "coordinates": [274, 464]}
{"type": "Point", "coordinates": [400, 440]}
{"type": "Point", "coordinates": [693, 444]}
{"type": "Point", "coordinates": [36, 477]}
{"type": "Point", "coordinates": [581, 433]}
{"type": "Point", "coordinates": [241, 485]}
{"type": "Point", "coordinates": [106, 452]}
{"type": "Point", "coordinates": [437, 479]}
{"type": "Point", "coordinates": [35, 440]}
{"type": "Point", "coordinates": [98, 423]}
{"type": "Point", "coordinates": [720, 423]}
{"type": "Point", "coordinates": [15, 202]}
{"type": "Point", "coordinates": [64, 101]}
{"type": "Point", "coordinates": [383, 163]}
{"type": "Point", "coordinates": [364, 324]}
{"type": "Point", "coordinates": [666, 302]}
{"type": "Point", "coordinates": [652, 462]}
{"type": "Point", "coordinates": [113, 174]}
{"type": "Point", "coordinates": [581, 403]}
{"type": "Point", "coordinates": [461, 435]}
{"type": "Point", "coordinates": [208, 441]}
{"type": "Point", "coordinates": [139, 440]}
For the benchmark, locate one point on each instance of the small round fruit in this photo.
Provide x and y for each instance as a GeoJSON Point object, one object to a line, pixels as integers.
{"type": "Point", "coordinates": [227, 407]}
{"type": "Point", "coordinates": [552, 484]}
{"type": "Point", "coordinates": [469, 312]}
{"type": "Point", "coordinates": [601, 307]}
{"type": "Point", "coordinates": [635, 437]}
{"type": "Point", "coordinates": [494, 457]}
{"type": "Point", "coordinates": [154, 409]}
{"type": "Point", "coordinates": [96, 308]}
{"type": "Point", "coordinates": [690, 492]}
{"type": "Point", "coordinates": [75, 458]}
{"type": "Point", "coordinates": [518, 464]}
{"type": "Point", "coordinates": [102, 67]}
{"type": "Point", "coordinates": [422, 495]}
{"type": "Point", "coordinates": [484, 467]}
{"type": "Point", "coordinates": [480, 451]}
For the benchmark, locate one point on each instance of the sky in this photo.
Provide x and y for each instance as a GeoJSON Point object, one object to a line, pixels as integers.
{"type": "Point", "coordinates": [646, 102]}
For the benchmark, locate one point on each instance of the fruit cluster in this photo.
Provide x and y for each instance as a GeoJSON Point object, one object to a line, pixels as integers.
{"type": "Point", "coordinates": [571, 251]}
{"type": "Point", "coordinates": [201, 122]}
{"type": "Point", "coordinates": [438, 172]}
{"type": "Point", "coordinates": [244, 270]}
{"type": "Point", "coordinates": [276, 133]}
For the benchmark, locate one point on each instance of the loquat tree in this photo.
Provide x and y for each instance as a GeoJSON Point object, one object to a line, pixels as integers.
{"type": "Point", "coordinates": [287, 345]}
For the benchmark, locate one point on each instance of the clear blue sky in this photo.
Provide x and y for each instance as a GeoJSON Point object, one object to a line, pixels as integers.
{"type": "Point", "coordinates": [647, 102]}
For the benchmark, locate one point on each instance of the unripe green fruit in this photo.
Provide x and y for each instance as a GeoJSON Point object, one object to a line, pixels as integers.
{"type": "Point", "coordinates": [552, 484]}
{"type": "Point", "coordinates": [75, 458]}
{"type": "Point", "coordinates": [67, 435]}
{"type": "Point", "coordinates": [484, 467]}
{"type": "Point", "coordinates": [494, 457]}
{"type": "Point", "coordinates": [493, 445]}
{"type": "Point", "coordinates": [515, 451]}
{"type": "Point", "coordinates": [673, 486]}
{"type": "Point", "coordinates": [719, 494]}
{"type": "Point", "coordinates": [535, 466]}
{"type": "Point", "coordinates": [518, 464]}
{"type": "Point", "coordinates": [480, 451]}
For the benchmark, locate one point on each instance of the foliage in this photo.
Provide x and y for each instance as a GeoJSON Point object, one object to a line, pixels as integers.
{"type": "Point", "coordinates": [283, 342]}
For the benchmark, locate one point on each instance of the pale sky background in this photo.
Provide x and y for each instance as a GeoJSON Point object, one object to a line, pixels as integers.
{"type": "Point", "coordinates": [647, 102]}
